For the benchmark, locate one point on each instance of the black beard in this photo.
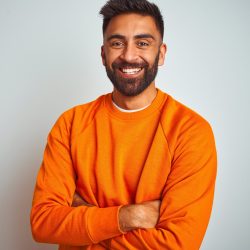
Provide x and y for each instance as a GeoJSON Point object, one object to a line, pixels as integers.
{"type": "Point", "coordinates": [132, 86]}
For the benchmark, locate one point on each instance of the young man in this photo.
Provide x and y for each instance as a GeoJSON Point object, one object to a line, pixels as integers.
{"type": "Point", "coordinates": [143, 165]}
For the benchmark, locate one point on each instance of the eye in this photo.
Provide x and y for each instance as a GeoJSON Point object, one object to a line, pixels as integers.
{"type": "Point", "coordinates": [142, 44]}
{"type": "Point", "coordinates": [117, 44]}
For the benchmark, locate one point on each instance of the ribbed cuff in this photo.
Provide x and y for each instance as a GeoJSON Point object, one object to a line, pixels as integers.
{"type": "Point", "coordinates": [103, 223]}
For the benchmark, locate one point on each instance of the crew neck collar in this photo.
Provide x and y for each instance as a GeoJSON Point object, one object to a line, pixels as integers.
{"type": "Point", "coordinates": [153, 107]}
{"type": "Point", "coordinates": [129, 110]}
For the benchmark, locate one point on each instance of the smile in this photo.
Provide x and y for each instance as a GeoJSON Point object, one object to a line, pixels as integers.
{"type": "Point", "coordinates": [130, 71]}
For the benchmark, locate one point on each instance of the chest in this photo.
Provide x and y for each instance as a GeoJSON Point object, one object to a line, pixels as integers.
{"type": "Point", "coordinates": [120, 163]}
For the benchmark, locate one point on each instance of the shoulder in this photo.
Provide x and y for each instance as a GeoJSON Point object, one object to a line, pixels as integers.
{"type": "Point", "coordinates": [182, 125]}
{"type": "Point", "coordinates": [177, 114]}
{"type": "Point", "coordinates": [77, 117]}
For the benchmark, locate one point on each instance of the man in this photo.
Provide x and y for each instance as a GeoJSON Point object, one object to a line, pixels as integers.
{"type": "Point", "coordinates": [142, 166]}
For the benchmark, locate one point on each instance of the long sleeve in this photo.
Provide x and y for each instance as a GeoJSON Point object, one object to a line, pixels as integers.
{"type": "Point", "coordinates": [112, 158]}
{"type": "Point", "coordinates": [187, 197]}
{"type": "Point", "coordinates": [53, 220]}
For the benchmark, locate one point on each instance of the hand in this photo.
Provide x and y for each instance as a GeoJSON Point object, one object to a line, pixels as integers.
{"type": "Point", "coordinates": [78, 201]}
{"type": "Point", "coordinates": [143, 215]}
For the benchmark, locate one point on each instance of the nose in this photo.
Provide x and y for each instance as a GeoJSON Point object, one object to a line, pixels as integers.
{"type": "Point", "coordinates": [129, 53]}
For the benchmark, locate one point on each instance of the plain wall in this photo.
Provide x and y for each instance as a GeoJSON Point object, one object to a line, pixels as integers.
{"type": "Point", "coordinates": [50, 61]}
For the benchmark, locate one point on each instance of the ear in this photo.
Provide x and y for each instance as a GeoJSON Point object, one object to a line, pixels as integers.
{"type": "Point", "coordinates": [103, 56]}
{"type": "Point", "coordinates": [163, 51]}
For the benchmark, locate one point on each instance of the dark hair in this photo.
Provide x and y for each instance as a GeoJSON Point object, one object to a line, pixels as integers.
{"type": "Point", "coordinates": [117, 7]}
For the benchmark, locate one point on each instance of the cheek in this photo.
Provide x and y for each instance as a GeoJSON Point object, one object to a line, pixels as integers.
{"type": "Point", "coordinates": [111, 56]}
{"type": "Point", "coordinates": [150, 56]}
{"type": "Point", "coordinates": [108, 60]}
{"type": "Point", "coordinates": [150, 61]}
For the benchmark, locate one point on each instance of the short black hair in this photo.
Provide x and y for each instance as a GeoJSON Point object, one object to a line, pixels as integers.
{"type": "Point", "coordinates": [143, 7]}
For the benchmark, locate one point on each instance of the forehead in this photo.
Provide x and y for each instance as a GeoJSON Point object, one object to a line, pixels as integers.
{"type": "Point", "coordinates": [131, 25]}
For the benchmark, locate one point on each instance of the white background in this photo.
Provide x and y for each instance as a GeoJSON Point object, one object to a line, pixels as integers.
{"type": "Point", "coordinates": [50, 61]}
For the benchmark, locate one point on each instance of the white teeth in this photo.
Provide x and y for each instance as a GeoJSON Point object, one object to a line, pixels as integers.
{"type": "Point", "coordinates": [131, 71]}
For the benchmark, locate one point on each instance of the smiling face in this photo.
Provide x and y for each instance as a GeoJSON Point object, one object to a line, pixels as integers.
{"type": "Point", "coordinates": [132, 52]}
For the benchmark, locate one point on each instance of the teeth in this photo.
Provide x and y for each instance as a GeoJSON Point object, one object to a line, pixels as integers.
{"type": "Point", "coordinates": [131, 71]}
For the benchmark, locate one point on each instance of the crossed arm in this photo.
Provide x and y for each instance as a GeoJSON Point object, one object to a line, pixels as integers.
{"type": "Point", "coordinates": [178, 221]}
{"type": "Point", "coordinates": [130, 217]}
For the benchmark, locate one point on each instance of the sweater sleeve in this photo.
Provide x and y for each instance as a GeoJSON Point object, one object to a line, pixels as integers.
{"type": "Point", "coordinates": [53, 220]}
{"type": "Point", "coordinates": [187, 196]}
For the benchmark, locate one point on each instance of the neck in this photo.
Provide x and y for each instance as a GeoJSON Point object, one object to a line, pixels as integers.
{"type": "Point", "coordinates": [135, 102]}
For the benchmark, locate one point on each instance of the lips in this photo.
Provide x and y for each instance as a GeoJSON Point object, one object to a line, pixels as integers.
{"type": "Point", "coordinates": [130, 71]}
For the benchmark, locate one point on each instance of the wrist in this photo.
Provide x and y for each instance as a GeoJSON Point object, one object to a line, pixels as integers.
{"type": "Point", "coordinates": [127, 218]}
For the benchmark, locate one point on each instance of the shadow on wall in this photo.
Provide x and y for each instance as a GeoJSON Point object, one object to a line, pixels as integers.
{"type": "Point", "coordinates": [18, 198]}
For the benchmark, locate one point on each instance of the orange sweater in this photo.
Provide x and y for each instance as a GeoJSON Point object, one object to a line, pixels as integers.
{"type": "Point", "coordinates": [112, 158]}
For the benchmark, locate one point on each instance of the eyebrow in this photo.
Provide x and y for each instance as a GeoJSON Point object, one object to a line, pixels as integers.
{"type": "Point", "coordinates": [139, 36]}
{"type": "Point", "coordinates": [115, 36]}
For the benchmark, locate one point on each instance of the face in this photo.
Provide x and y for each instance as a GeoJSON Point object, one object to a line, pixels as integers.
{"type": "Point", "coordinates": [132, 52]}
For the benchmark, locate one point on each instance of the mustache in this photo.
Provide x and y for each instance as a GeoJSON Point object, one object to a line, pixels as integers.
{"type": "Point", "coordinates": [120, 64]}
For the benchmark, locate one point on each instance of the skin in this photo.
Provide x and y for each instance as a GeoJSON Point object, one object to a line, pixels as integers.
{"type": "Point", "coordinates": [144, 215]}
{"type": "Point", "coordinates": [133, 38]}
